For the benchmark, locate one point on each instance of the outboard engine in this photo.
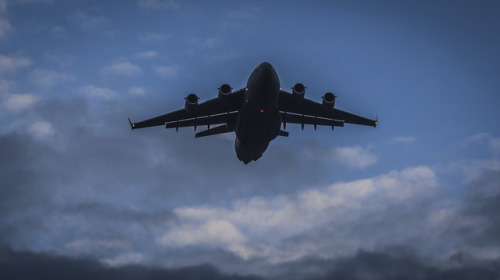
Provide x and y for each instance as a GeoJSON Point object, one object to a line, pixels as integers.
{"type": "Point", "coordinates": [298, 91]}
{"type": "Point", "coordinates": [191, 103]}
{"type": "Point", "coordinates": [225, 91]}
{"type": "Point", "coordinates": [328, 100]}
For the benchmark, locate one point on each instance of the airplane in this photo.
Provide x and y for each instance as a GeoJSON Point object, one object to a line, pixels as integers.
{"type": "Point", "coordinates": [255, 113]}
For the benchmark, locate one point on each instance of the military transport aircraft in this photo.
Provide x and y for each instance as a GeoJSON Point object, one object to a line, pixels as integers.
{"type": "Point", "coordinates": [255, 113]}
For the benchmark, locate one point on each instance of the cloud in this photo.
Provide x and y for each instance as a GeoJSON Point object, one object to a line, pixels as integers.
{"type": "Point", "coordinates": [147, 54]}
{"type": "Point", "coordinates": [166, 72]}
{"type": "Point", "coordinates": [30, 265]}
{"type": "Point", "coordinates": [356, 156]}
{"type": "Point", "coordinates": [471, 169]}
{"type": "Point", "coordinates": [97, 92]}
{"type": "Point", "coordinates": [271, 220]}
{"type": "Point", "coordinates": [351, 156]}
{"type": "Point", "coordinates": [17, 102]}
{"type": "Point", "coordinates": [68, 195]}
{"type": "Point", "coordinates": [88, 246]}
{"type": "Point", "coordinates": [125, 259]}
{"type": "Point", "coordinates": [477, 137]}
{"type": "Point", "coordinates": [159, 4]}
{"type": "Point", "coordinates": [4, 23]}
{"type": "Point", "coordinates": [486, 147]}
{"type": "Point", "coordinates": [49, 78]}
{"type": "Point", "coordinates": [4, 27]}
{"type": "Point", "coordinates": [59, 59]}
{"type": "Point", "coordinates": [22, 188]}
{"type": "Point", "coordinates": [10, 64]}
{"type": "Point", "coordinates": [483, 205]}
{"type": "Point", "coordinates": [495, 145]}
{"type": "Point", "coordinates": [138, 91]}
{"type": "Point", "coordinates": [41, 129]}
{"type": "Point", "coordinates": [126, 69]}
{"type": "Point", "coordinates": [482, 138]}
{"type": "Point", "coordinates": [403, 263]}
{"type": "Point", "coordinates": [212, 232]}
{"type": "Point", "coordinates": [3, 6]}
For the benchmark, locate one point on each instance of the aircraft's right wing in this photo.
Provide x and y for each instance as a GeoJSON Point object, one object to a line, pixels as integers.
{"type": "Point", "coordinates": [205, 113]}
{"type": "Point", "coordinates": [305, 111]}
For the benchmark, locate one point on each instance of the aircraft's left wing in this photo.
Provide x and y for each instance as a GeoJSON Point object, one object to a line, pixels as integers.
{"type": "Point", "coordinates": [213, 111]}
{"type": "Point", "coordinates": [297, 109]}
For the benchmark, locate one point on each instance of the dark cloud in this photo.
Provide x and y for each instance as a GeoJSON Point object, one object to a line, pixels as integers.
{"type": "Point", "coordinates": [24, 184]}
{"type": "Point", "coordinates": [393, 263]}
{"type": "Point", "coordinates": [29, 265]}
{"type": "Point", "coordinates": [483, 203]}
{"type": "Point", "coordinates": [109, 212]}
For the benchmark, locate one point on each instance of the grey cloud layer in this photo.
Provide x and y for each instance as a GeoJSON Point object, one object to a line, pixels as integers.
{"type": "Point", "coordinates": [392, 263]}
{"type": "Point", "coordinates": [95, 190]}
{"type": "Point", "coordinates": [28, 265]}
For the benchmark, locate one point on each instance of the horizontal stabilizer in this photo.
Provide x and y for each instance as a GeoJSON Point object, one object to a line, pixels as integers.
{"type": "Point", "coordinates": [213, 131]}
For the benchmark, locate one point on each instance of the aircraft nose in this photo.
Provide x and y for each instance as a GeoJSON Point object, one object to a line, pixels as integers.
{"type": "Point", "coordinates": [265, 66]}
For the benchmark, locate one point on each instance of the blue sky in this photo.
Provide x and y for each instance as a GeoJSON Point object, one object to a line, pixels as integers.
{"type": "Point", "coordinates": [419, 193]}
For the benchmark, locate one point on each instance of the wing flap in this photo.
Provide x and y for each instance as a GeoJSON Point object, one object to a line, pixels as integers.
{"type": "Point", "coordinates": [313, 120]}
{"type": "Point", "coordinates": [228, 118]}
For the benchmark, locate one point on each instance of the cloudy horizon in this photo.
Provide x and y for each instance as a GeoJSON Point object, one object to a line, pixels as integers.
{"type": "Point", "coordinates": [415, 198]}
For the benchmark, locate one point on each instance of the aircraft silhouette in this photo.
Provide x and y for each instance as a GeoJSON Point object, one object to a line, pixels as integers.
{"type": "Point", "coordinates": [255, 113]}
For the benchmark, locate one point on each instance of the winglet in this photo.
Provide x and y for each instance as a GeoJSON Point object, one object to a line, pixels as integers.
{"type": "Point", "coordinates": [376, 122]}
{"type": "Point", "coordinates": [132, 125]}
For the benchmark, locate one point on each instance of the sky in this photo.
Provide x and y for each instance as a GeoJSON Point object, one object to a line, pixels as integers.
{"type": "Point", "coordinates": [81, 194]}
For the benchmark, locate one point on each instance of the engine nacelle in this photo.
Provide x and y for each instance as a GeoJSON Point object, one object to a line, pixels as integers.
{"type": "Point", "coordinates": [191, 103]}
{"type": "Point", "coordinates": [298, 90]}
{"type": "Point", "coordinates": [328, 100]}
{"type": "Point", "coordinates": [225, 91]}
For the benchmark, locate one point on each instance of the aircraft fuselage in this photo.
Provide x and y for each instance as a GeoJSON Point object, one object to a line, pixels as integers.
{"type": "Point", "coordinates": [259, 120]}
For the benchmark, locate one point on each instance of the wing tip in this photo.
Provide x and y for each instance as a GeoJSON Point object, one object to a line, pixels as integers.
{"type": "Point", "coordinates": [132, 125]}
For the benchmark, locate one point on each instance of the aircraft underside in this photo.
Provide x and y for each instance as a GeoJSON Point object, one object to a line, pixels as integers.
{"type": "Point", "coordinates": [255, 113]}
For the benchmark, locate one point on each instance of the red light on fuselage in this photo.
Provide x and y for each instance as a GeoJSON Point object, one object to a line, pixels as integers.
{"type": "Point", "coordinates": [262, 110]}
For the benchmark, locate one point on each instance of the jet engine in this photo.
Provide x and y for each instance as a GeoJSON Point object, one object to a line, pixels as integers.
{"type": "Point", "coordinates": [225, 91]}
{"type": "Point", "coordinates": [328, 100]}
{"type": "Point", "coordinates": [191, 103]}
{"type": "Point", "coordinates": [298, 90]}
